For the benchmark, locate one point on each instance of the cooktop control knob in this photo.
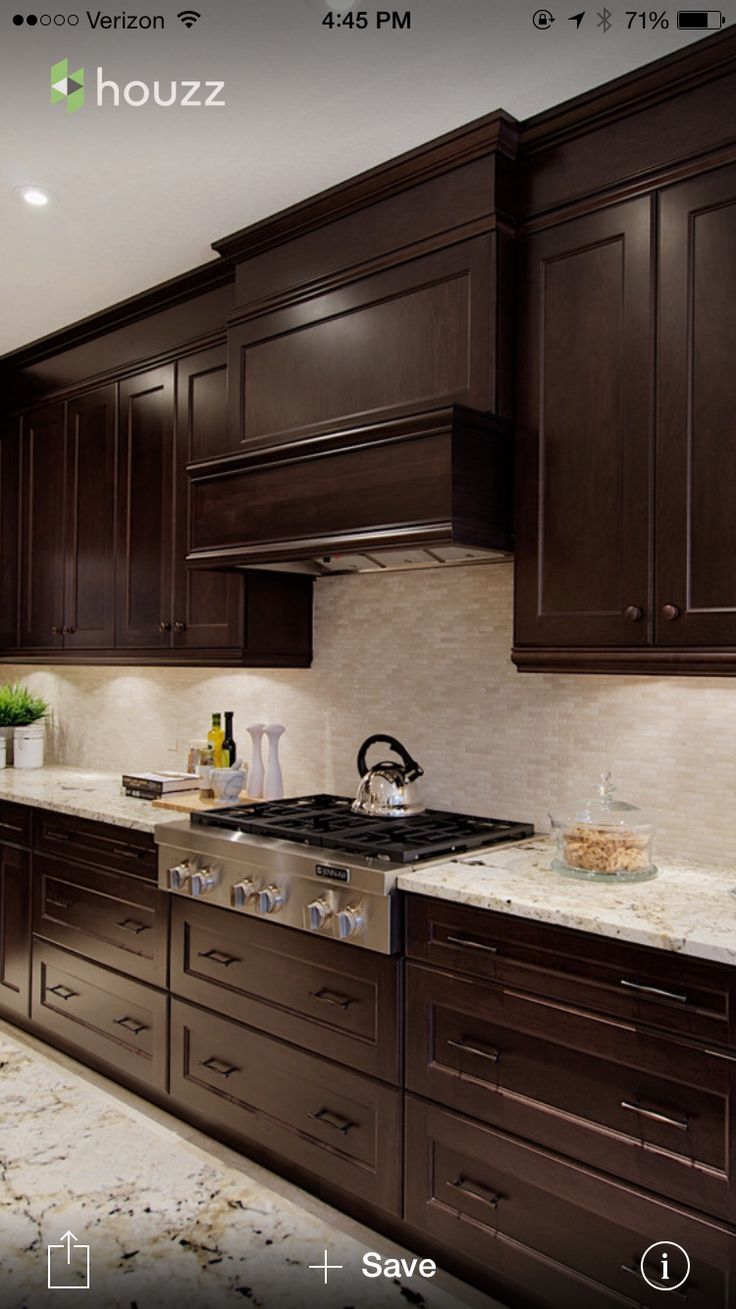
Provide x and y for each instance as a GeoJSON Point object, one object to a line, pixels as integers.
{"type": "Point", "coordinates": [349, 922]}
{"type": "Point", "coordinates": [270, 899]}
{"type": "Point", "coordinates": [205, 880]}
{"type": "Point", "coordinates": [242, 892]}
{"type": "Point", "coordinates": [318, 913]}
{"type": "Point", "coordinates": [179, 874]}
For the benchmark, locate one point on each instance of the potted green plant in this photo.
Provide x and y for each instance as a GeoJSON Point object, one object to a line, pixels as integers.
{"type": "Point", "coordinates": [20, 708]}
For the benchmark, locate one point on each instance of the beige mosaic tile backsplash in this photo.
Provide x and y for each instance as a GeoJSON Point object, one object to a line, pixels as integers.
{"type": "Point", "coordinates": [425, 656]}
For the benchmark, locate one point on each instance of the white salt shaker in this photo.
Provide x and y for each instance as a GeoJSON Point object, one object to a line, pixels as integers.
{"type": "Point", "coordinates": [273, 786]}
{"type": "Point", "coordinates": [255, 772]}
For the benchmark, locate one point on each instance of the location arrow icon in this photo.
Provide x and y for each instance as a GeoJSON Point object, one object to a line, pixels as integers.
{"type": "Point", "coordinates": [576, 18]}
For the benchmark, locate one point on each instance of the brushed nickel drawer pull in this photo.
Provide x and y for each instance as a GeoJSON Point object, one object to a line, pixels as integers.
{"type": "Point", "coordinates": [219, 1066]}
{"type": "Point", "coordinates": [329, 1119]}
{"type": "Point", "coordinates": [11, 827]}
{"type": "Point", "coordinates": [131, 1025]}
{"type": "Point", "coordinates": [58, 836]}
{"type": "Point", "coordinates": [493, 1055]}
{"type": "Point", "coordinates": [636, 1272]}
{"type": "Point", "coordinates": [219, 957]}
{"type": "Point", "coordinates": [128, 853]}
{"type": "Point", "coordinates": [472, 945]}
{"type": "Point", "coordinates": [63, 992]}
{"type": "Point", "coordinates": [655, 990]}
{"type": "Point", "coordinates": [332, 997]}
{"type": "Point", "coordinates": [634, 1108]}
{"type": "Point", "coordinates": [483, 1193]}
{"type": "Point", "coordinates": [57, 904]}
{"type": "Point", "coordinates": [130, 925]}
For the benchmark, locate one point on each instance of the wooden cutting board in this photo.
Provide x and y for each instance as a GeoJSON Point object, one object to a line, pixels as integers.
{"type": "Point", "coordinates": [189, 802]}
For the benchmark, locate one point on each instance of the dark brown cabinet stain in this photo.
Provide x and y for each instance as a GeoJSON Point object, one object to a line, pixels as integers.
{"type": "Point", "coordinates": [584, 432]}
{"type": "Point", "coordinates": [696, 452]}
{"type": "Point", "coordinates": [89, 590]}
{"type": "Point", "coordinates": [145, 511]}
{"type": "Point", "coordinates": [44, 506]}
{"type": "Point", "coordinates": [9, 528]}
{"type": "Point", "coordinates": [15, 928]}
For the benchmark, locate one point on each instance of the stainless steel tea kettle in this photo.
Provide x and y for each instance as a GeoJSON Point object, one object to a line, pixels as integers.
{"type": "Point", "coordinates": [389, 789]}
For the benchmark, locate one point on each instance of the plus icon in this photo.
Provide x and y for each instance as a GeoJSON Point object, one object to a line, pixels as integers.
{"type": "Point", "coordinates": [324, 1267]}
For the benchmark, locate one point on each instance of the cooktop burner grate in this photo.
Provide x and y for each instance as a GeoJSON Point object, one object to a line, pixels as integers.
{"type": "Point", "coordinates": [328, 821]}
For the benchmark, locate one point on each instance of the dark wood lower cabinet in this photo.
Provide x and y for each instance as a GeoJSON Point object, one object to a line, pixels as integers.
{"type": "Point", "coordinates": [15, 930]}
{"type": "Point", "coordinates": [544, 1232]}
{"type": "Point", "coordinates": [110, 1018]}
{"type": "Point", "coordinates": [341, 1126]}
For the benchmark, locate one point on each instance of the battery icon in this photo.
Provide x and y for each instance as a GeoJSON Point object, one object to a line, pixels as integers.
{"type": "Point", "coordinates": [700, 20]}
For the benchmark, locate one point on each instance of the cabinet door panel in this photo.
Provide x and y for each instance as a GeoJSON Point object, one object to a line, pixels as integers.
{"type": "Point", "coordinates": [44, 498]}
{"type": "Point", "coordinates": [143, 615]}
{"type": "Point", "coordinates": [15, 930]}
{"type": "Point", "coordinates": [9, 553]}
{"type": "Point", "coordinates": [208, 606]}
{"type": "Point", "coordinates": [696, 452]}
{"type": "Point", "coordinates": [584, 432]}
{"type": "Point", "coordinates": [89, 596]}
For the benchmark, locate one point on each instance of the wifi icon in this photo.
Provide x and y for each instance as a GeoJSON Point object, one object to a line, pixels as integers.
{"type": "Point", "coordinates": [188, 17]}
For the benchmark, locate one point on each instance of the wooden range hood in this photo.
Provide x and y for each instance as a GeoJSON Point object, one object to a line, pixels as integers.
{"type": "Point", "coordinates": [425, 489]}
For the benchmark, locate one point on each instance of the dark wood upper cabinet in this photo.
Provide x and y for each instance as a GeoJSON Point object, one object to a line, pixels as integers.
{"type": "Point", "coordinates": [89, 591]}
{"type": "Point", "coordinates": [9, 524]}
{"type": "Point", "coordinates": [207, 608]}
{"type": "Point", "coordinates": [585, 432]}
{"type": "Point", "coordinates": [145, 510]}
{"type": "Point", "coordinates": [43, 500]}
{"type": "Point", "coordinates": [696, 403]}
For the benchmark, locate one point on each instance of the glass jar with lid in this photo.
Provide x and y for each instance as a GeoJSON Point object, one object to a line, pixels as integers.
{"type": "Point", "coordinates": [604, 839]}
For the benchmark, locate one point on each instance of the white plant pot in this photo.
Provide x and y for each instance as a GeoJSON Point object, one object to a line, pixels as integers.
{"type": "Point", "coordinates": [7, 734]}
{"type": "Point", "coordinates": [28, 744]}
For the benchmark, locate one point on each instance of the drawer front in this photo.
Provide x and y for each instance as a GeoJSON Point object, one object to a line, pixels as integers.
{"type": "Point", "coordinates": [657, 988]}
{"type": "Point", "coordinates": [101, 844]}
{"type": "Point", "coordinates": [116, 919]}
{"type": "Point", "coordinates": [538, 1224]}
{"type": "Point", "coordinates": [15, 930]}
{"type": "Point", "coordinates": [105, 1015]}
{"type": "Point", "coordinates": [341, 1003]}
{"type": "Point", "coordinates": [15, 823]}
{"type": "Point", "coordinates": [647, 1108]}
{"type": "Point", "coordinates": [342, 1126]}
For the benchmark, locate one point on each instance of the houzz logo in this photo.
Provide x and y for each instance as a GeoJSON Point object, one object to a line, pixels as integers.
{"type": "Point", "coordinates": [134, 94]}
{"type": "Point", "coordinates": [66, 86]}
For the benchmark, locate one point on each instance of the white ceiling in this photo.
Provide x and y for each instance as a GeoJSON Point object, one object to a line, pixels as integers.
{"type": "Point", "coordinates": [143, 192]}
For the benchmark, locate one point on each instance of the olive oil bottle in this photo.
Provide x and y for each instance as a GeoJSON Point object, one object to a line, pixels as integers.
{"type": "Point", "coordinates": [216, 737]}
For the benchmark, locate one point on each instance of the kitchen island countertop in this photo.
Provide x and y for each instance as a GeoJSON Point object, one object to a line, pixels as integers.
{"type": "Point", "coordinates": [84, 793]}
{"type": "Point", "coordinates": [687, 908]}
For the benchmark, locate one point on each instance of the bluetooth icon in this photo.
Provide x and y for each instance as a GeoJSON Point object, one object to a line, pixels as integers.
{"type": "Point", "coordinates": [604, 19]}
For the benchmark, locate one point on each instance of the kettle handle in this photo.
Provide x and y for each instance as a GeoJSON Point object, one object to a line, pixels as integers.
{"type": "Point", "coordinates": [413, 770]}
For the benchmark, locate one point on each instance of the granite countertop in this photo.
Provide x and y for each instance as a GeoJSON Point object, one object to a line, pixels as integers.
{"type": "Point", "coordinates": [687, 908]}
{"type": "Point", "coordinates": [95, 795]}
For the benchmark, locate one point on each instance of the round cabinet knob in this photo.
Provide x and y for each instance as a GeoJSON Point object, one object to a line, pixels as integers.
{"type": "Point", "coordinates": [179, 875]}
{"type": "Point", "coordinates": [164, 626]}
{"type": "Point", "coordinates": [70, 630]}
{"type": "Point", "coordinates": [349, 922]}
{"type": "Point", "coordinates": [318, 913]}
{"type": "Point", "coordinates": [670, 612]}
{"type": "Point", "coordinates": [205, 880]}
{"type": "Point", "coordinates": [242, 892]}
{"type": "Point", "coordinates": [57, 631]}
{"type": "Point", "coordinates": [180, 627]}
{"type": "Point", "coordinates": [270, 899]}
{"type": "Point", "coordinates": [633, 613]}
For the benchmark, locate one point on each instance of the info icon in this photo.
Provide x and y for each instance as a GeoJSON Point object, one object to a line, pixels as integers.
{"type": "Point", "coordinates": [665, 1266]}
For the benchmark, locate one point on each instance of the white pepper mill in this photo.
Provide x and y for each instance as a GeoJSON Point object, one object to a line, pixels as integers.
{"type": "Point", "coordinates": [255, 772]}
{"type": "Point", "coordinates": [273, 786]}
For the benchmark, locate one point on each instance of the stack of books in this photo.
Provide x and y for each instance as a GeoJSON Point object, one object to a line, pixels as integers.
{"type": "Point", "coordinates": [149, 786]}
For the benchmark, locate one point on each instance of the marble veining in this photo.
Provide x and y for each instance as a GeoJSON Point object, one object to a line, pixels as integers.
{"type": "Point", "coordinates": [95, 795]}
{"type": "Point", "coordinates": [687, 908]}
{"type": "Point", "coordinates": [168, 1223]}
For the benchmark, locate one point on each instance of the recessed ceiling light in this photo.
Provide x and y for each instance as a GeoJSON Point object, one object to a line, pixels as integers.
{"type": "Point", "coordinates": [37, 196]}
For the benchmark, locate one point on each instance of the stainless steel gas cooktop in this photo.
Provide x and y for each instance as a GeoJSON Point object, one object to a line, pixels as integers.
{"type": "Point", "coordinates": [311, 863]}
